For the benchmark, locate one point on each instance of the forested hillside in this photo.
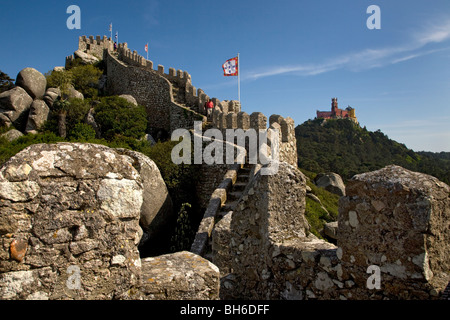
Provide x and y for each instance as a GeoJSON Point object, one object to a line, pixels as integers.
{"type": "Point", "coordinates": [343, 147]}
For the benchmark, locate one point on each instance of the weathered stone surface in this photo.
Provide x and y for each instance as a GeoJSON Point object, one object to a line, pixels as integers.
{"type": "Point", "coordinates": [129, 98]}
{"type": "Point", "coordinates": [331, 182]}
{"type": "Point", "coordinates": [39, 113]}
{"type": "Point", "coordinates": [69, 223]}
{"type": "Point", "coordinates": [270, 212]}
{"type": "Point", "coordinates": [13, 103]}
{"type": "Point", "coordinates": [398, 220]}
{"type": "Point", "coordinates": [72, 93]}
{"type": "Point", "coordinates": [156, 209]}
{"type": "Point", "coordinates": [51, 95]}
{"type": "Point", "coordinates": [85, 57]}
{"type": "Point", "coordinates": [179, 276]}
{"type": "Point", "coordinates": [330, 229]}
{"type": "Point", "coordinates": [12, 135]}
{"type": "Point", "coordinates": [33, 82]}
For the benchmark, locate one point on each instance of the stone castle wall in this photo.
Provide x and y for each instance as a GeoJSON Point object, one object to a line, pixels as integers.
{"type": "Point", "coordinates": [393, 240]}
{"type": "Point", "coordinates": [149, 85]}
{"type": "Point", "coordinates": [150, 90]}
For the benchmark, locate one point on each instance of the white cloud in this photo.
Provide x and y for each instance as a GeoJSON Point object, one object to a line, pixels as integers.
{"type": "Point", "coordinates": [367, 58]}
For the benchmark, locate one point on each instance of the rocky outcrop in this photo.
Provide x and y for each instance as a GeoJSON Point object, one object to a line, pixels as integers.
{"type": "Point", "coordinates": [51, 95]}
{"type": "Point", "coordinates": [69, 229]}
{"type": "Point", "coordinates": [13, 104]}
{"type": "Point", "coordinates": [331, 182]}
{"type": "Point", "coordinates": [12, 135]}
{"type": "Point", "coordinates": [156, 209]}
{"type": "Point", "coordinates": [179, 276]}
{"type": "Point", "coordinates": [85, 57]}
{"type": "Point", "coordinates": [130, 99]}
{"type": "Point", "coordinates": [39, 113]}
{"type": "Point", "coordinates": [33, 82]}
{"type": "Point", "coordinates": [69, 223]}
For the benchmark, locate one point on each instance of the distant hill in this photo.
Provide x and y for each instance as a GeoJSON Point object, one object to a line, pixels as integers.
{"type": "Point", "coordinates": [344, 147]}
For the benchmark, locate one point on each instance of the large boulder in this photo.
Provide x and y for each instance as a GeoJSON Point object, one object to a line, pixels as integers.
{"type": "Point", "coordinates": [85, 57]}
{"type": "Point", "coordinates": [69, 223]}
{"type": "Point", "coordinates": [51, 95]}
{"type": "Point", "coordinates": [73, 93]}
{"type": "Point", "coordinates": [156, 210]}
{"type": "Point", "coordinates": [129, 98]}
{"type": "Point", "coordinates": [179, 276]}
{"type": "Point", "coordinates": [12, 135]}
{"type": "Point", "coordinates": [39, 113]}
{"type": "Point", "coordinates": [331, 182]}
{"type": "Point", "coordinates": [33, 82]}
{"type": "Point", "coordinates": [13, 104]}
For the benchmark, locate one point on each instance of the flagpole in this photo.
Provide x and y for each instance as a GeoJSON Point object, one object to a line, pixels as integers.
{"type": "Point", "coordinates": [239, 78]}
{"type": "Point", "coordinates": [110, 29]}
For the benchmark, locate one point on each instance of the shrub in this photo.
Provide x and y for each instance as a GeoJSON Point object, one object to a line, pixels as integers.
{"type": "Point", "coordinates": [183, 233]}
{"type": "Point", "coordinates": [82, 132]}
{"type": "Point", "coordinates": [59, 79]}
{"type": "Point", "coordinates": [116, 116]}
{"type": "Point", "coordinates": [85, 79]}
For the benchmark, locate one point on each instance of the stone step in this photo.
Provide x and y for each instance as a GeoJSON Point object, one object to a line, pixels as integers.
{"type": "Point", "coordinates": [229, 206]}
{"type": "Point", "coordinates": [243, 177]}
{"type": "Point", "coordinates": [235, 195]}
{"type": "Point", "coordinates": [239, 186]}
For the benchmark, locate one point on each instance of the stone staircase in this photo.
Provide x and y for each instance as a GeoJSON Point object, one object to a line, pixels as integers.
{"type": "Point", "coordinates": [233, 196]}
{"type": "Point", "coordinates": [179, 95]}
{"type": "Point", "coordinates": [236, 192]}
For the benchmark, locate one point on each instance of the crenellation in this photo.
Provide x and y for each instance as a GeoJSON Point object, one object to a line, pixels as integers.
{"type": "Point", "coordinates": [232, 121]}
{"type": "Point", "coordinates": [243, 120]}
{"type": "Point", "coordinates": [160, 69]}
{"type": "Point", "coordinates": [258, 121]}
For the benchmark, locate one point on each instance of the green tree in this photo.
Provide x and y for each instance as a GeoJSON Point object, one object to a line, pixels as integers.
{"type": "Point", "coordinates": [85, 79]}
{"type": "Point", "coordinates": [60, 79]}
{"type": "Point", "coordinates": [6, 83]}
{"type": "Point", "coordinates": [61, 107]}
{"type": "Point", "coordinates": [117, 117]}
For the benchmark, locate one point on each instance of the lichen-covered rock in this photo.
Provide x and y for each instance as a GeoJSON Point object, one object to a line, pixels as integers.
{"type": "Point", "coordinates": [69, 223]}
{"type": "Point", "coordinates": [51, 95]}
{"type": "Point", "coordinates": [179, 276]}
{"type": "Point", "coordinates": [129, 98]}
{"type": "Point", "coordinates": [331, 182]}
{"type": "Point", "coordinates": [156, 209]}
{"type": "Point", "coordinates": [398, 220]}
{"type": "Point", "coordinates": [12, 135]}
{"type": "Point", "coordinates": [39, 113]}
{"type": "Point", "coordinates": [13, 103]}
{"type": "Point", "coordinates": [85, 57]}
{"type": "Point", "coordinates": [33, 82]}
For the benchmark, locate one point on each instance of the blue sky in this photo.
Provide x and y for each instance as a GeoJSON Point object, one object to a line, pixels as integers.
{"type": "Point", "coordinates": [295, 55]}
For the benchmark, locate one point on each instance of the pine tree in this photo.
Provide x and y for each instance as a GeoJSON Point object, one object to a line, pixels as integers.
{"type": "Point", "coordinates": [6, 83]}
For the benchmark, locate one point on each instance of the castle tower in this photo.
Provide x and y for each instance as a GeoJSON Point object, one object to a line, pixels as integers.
{"type": "Point", "coordinates": [334, 106]}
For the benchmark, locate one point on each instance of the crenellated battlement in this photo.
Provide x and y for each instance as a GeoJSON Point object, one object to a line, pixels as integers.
{"type": "Point", "coordinates": [223, 119]}
{"type": "Point", "coordinates": [95, 45]}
